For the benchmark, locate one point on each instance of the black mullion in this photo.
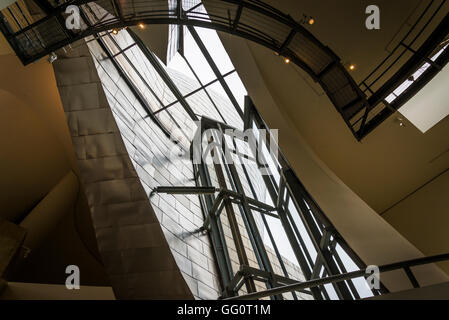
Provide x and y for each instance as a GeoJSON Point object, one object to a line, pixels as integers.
{"type": "Point", "coordinates": [132, 87]}
{"type": "Point", "coordinates": [192, 93]}
{"type": "Point", "coordinates": [165, 77]}
{"type": "Point", "coordinates": [215, 69]}
{"type": "Point", "coordinates": [147, 85]}
{"type": "Point", "coordinates": [264, 220]}
{"type": "Point", "coordinates": [204, 86]}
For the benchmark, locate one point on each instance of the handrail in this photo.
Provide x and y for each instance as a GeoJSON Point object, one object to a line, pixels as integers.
{"type": "Point", "coordinates": [399, 45]}
{"type": "Point", "coordinates": [345, 276]}
{"type": "Point", "coordinates": [249, 19]}
{"type": "Point", "coordinates": [420, 57]}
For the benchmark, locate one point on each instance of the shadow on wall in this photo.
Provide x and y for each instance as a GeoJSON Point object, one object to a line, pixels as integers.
{"type": "Point", "coordinates": [40, 191]}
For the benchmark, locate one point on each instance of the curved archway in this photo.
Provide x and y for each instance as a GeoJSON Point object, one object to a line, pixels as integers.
{"type": "Point", "coordinates": [249, 19]}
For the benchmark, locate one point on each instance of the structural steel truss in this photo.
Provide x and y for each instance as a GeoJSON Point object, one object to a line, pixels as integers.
{"type": "Point", "coordinates": [363, 106]}
{"type": "Point", "coordinates": [214, 200]}
{"type": "Point", "coordinates": [250, 19]}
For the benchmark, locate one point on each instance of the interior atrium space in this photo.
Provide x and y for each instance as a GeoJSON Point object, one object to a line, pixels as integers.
{"type": "Point", "coordinates": [224, 150]}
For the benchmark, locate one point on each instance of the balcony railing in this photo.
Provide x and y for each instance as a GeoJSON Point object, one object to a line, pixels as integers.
{"type": "Point", "coordinates": [404, 265]}
{"type": "Point", "coordinates": [362, 106]}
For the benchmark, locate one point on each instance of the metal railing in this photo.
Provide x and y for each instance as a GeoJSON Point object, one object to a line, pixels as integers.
{"type": "Point", "coordinates": [250, 19]}
{"type": "Point", "coordinates": [362, 106]}
{"type": "Point", "coordinates": [405, 265]}
{"type": "Point", "coordinates": [413, 50]}
{"type": "Point", "coordinates": [392, 59]}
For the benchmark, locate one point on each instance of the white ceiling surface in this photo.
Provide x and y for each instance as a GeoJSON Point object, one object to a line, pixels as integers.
{"type": "Point", "coordinates": [392, 161]}
{"type": "Point", "coordinates": [430, 105]}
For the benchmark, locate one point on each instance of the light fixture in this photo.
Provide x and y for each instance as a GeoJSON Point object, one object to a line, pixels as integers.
{"type": "Point", "coordinates": [400, 122]}
{"type": "Point", "coordinates": [52, 57]}
{"type": "Point", "coordinates": [306, 19]}
{"type": "Point", "coordinates": [286, 60]}
{"type": "Point", "coordinates": [115, 31]}
{"type": "Point", "coordinates": [352, 67]}
{"type": "Point", "coordinates": [141, 25]}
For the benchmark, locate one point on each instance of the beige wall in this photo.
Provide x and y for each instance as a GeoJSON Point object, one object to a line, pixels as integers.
{"type": "Point", "coordinates": [390, 162]}
{"type": "Point", "coordinates": [34, 140]}
{"type": "Point", "coordinates": [423, 217]}
{"type": "Point", "coordinates": [4, 46]}
{"type": "Point", "coordinates": [374, 240]}
{"type": "Point", "coordinates": [36, 154]}
{"type": "Point", "coordinates": [38, 291]}
{"type": "Point", "coordinates": [436, 292]}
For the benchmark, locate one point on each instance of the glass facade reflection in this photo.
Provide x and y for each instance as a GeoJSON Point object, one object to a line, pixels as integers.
{"type": "Point", "coordinates": [158, 110]}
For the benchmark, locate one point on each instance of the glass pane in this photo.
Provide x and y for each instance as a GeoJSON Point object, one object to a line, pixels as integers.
{"type": "Point", "coordinates": [196, 59]}
{"type": "Point", "coordinates": [215, 48]}
{"type": "Point", "coordinates": [182, 75]}
{"type": "Point", "coordinates": [302, 231]}
{"type": "Point", "coordinates": [202, 105]}
{"type": "Point", "coordinates": [225, 105]}
{"type": "Point", "coordinates": [237, 88]}
{"type": "Point", "coordinates": [359, 283]}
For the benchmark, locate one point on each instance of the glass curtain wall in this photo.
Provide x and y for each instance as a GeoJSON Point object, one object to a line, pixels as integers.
{"type": "Point", "coordinates": [274, 228]}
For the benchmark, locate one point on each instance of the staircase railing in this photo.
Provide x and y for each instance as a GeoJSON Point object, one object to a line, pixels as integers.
{"type": "Point", "coordinates": [404, 265]}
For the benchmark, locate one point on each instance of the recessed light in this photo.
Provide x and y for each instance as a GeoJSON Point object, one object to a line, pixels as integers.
{"type": "Point", "coordinates": [141, 25]}
{"type": "Point", "coordinates": [352, 67]}
{"type": "Point", "coordinates": [400, 121]}
{"type": "Point", "coordinates": [287, 60]}
{"type": "Point", "coordinates": [311, 21]}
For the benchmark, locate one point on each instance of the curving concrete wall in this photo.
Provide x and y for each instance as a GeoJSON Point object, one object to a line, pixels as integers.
{"type": "Point", "coordinates": [372, 238]}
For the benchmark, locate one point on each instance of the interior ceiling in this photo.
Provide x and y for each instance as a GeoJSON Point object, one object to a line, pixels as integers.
{"type": "Point", "coordinates": [392, 161]}
{"type": "Point", "coordinates": [156, 37]}
{"type": "Point", "coordinates": [4, 46]}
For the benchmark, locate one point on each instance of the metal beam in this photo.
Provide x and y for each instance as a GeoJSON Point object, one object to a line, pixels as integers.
{"type": "Point", "coordinates": [185, 190]}
{"type": "Point", "coordinates": [133, 88]}
{"type": "Point", "coordinates": [267, 275]}
{"type": "Point", "coordinates": [341, 277]}
{"type": "Point", "coordinates": [215, 69]}
{"type": "Point", "coordinates": [216, 234]}
{"type": "Point", "coordinates": [234, 226]}
{"type": "Point", "coordinates": [164, 75]}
